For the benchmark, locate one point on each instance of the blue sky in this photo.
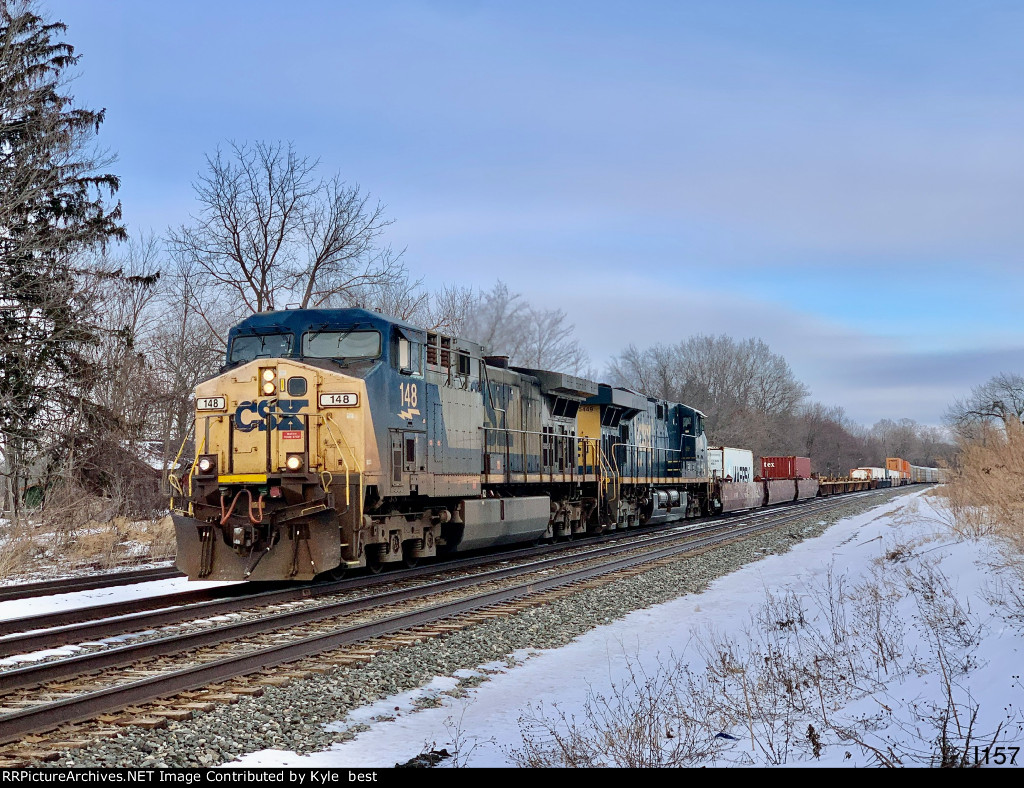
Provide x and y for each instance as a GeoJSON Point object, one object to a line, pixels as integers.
{"type": "Point", "coordinates": [843, 180]}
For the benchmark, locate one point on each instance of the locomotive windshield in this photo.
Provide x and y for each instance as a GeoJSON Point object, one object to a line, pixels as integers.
{"type": "Point", "coordinates": [246, 348]}
{"type": "Point", "coordinates": [341, 344]}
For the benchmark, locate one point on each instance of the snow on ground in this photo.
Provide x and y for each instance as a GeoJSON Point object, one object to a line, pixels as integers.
{"type": "Point", "coordinates": [41, 605]}
{"type": "Point", "coordinates": [484, 727]}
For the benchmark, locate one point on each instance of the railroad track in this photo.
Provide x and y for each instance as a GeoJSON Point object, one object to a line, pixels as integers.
{"type": "Point", "coordinates": [53, 694]}
{"type": "Point", "coordinates": [121, 619]}
{"type": "Point", "coordinates": [71, 584]}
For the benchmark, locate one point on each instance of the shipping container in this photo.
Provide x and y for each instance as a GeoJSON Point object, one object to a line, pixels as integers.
{"type": "Point", "coordinates": [919, 474]}
{"type": "Point", "coordinates": [786, 467]}
{"type": "Point", "coordinates": [736, 465]}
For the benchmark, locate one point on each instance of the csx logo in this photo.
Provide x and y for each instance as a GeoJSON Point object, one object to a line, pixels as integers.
{"type": "Point", "coordinates": [270, 415]}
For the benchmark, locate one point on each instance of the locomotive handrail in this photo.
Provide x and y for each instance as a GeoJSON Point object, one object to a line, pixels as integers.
{"type": "Point", "coordinates": [195, 463]}
{"type": "Point", "coordinates": [326, 420]}
{"type": "Point", "coordinates": [635, 451]}
{"type": "Point", "coordinates": [171, 478]}
{"type": "Point", "coordinates": [176, 484]}
{"type": "Point", "coordinates": [568, 443]}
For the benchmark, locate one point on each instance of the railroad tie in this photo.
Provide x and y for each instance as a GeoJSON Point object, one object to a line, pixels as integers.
{"type": "Point", "coordinates": [352, 659]}
{"type": "Point", "coordinates": [223, 697]}
{"type": "Point", "coordinates": [69, 744]}
{"type": "Point", "coordinates": [319, 668]}
{"type": "Point", "coordinates": [175, 715]}
{"type": "Point", "coordinates": [402, 640]}
{"type": "Point", "coordinates": [197, 705]}
{"type": "Point", "coordinates": [28, 757]}
{"type": "Point", "coordinates": [292, 674]}
{"type": "Point", "coordinates": [142, 722]}
{"type": "Point", "coordinates": [252, 692]}
{"type": "Point", "coordinates": [274, 681]}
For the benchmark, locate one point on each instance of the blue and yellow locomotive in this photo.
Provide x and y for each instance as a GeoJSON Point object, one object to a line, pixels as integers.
{"type": "Point", "coordinates": [337, 439]}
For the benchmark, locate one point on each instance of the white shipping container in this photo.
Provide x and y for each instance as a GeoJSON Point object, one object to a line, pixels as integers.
{"type": "Point", "coordinates": [734, 464]}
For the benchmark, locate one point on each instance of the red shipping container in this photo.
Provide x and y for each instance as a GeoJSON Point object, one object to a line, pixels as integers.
{"type": "Point", "coordinates": [786, 467]}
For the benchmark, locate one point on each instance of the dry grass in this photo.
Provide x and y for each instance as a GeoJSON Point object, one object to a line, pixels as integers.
{"type": "Point", "coordinates": [16, 549]}
{"type": "Point", "coordinates": [68, 537]}
{"type": "Point", "coordinates": [985, 494]}
{"type": "Point", "coordinates": [120, 542]}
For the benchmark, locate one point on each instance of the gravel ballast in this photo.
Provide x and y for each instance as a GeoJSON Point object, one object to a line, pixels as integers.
{"type": "Point", "coordinates": [294, 717]}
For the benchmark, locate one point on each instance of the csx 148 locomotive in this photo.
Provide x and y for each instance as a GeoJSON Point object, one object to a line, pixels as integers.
{"type": "Point", "coordinates": [337, 439]}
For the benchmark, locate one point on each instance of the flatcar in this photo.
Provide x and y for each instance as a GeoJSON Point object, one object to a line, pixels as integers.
{"type": "Point", "coordinates": [335, 439]}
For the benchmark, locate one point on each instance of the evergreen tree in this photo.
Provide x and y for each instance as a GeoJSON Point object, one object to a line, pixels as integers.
{"type": "Point", "coordinates": [52, 212]}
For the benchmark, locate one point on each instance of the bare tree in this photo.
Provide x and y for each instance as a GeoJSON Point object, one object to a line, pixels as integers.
{"type": "Point", "coordinates": [653, 371]}
{"type": "Point", "coordinates": [497, 320]}
{"type": "Point", "coordinates": [549, 343]}
{"type": "Point", "coordinates": [824, 434]}
{"type": "Point", "coordinates": [998, 401]}
{"type": "Point", "coordinates": [449, 309]}
{"type": "Point", "coordinates": [270, 233]}
{"type": "Point", "coordinates": [184, 348]}
{"type": "Point", "coordinates": [747, 392]}
{"type": "Point", "coordinates": [505, 323]}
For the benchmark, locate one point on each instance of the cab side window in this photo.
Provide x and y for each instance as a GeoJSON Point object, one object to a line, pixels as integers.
{"type": "Point", "coordinates": [409, 356]}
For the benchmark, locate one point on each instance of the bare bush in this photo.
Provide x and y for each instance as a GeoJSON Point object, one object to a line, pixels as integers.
{"type": "Point", "coordinates": [810, 672]}
{"type": "Point", "coordinates": [644, 722]}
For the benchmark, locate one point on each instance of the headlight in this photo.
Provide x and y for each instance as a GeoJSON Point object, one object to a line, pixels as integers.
{"type": "Point", "coordinates": [268, 378]}
{"type": "Point", "coordinates": [293, 462]}
{"type": "Point", "coordinates": [207, 463]}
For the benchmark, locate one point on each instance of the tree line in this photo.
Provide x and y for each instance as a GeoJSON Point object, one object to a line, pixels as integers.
{"type": "Point", "coordinates": [753, 400]}
{"type": "Point", "coordinates": [104, 336]}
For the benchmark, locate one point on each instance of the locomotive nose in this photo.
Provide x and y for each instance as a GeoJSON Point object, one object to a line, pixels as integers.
{"type": "Point", "coordinates": [281, 449]}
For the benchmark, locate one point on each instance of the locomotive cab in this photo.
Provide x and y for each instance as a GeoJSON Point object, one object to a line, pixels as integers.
{"type": "Point", "coordinates": [285, 448]}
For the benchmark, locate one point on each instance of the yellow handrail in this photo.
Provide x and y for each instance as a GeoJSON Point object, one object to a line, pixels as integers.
{"type": "Point", "coordinates": [173, 480]}
{"type": "Point", "coordinates": [326, 419]}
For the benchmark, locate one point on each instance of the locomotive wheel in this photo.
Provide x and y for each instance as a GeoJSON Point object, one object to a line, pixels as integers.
{"type": "Point", "coordinates": [408, 548]}
{"type": "Point", "coordinates": [338, 573]}
{"type": "Point", "coordinates": [373, 562]}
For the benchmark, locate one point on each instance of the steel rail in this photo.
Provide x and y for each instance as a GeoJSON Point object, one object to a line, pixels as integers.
{"type": "Point", "coordinates": [85, 664]}
{"type": "Point", "coordinates": [70, 585]}
{"type": "Point", "coordinates": [45, 716]}
{"type": "Point", "coordinates": [79, 615]}
{"type": "Point", "coordinates": [95, 622]}
{"type": "Point", "coordinates": [98, 622]}
{"type": "Point", "coordinates": [20, 636]}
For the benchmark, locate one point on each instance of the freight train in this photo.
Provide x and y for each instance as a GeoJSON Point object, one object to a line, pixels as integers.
{"type": "Point", "coordinates": [339, 439]}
